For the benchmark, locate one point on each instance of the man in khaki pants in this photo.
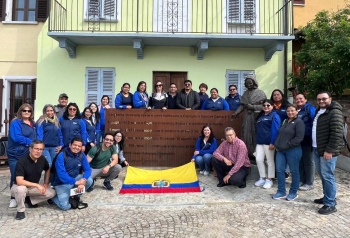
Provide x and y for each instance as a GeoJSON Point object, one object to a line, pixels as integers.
{"type": "Point", "coordinates": [28, 172]}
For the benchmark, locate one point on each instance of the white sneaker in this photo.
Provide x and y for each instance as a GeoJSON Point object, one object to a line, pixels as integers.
{"type": "Point", "coordinates": [268, 183]}
{"type": "Point", "coordinates": [13, 203]}
{"type": "Point", "coordinates": [201, 172]}
{"type": "Point", "coordinates": [260, 182]}
{"type": "Point", "coordinates": [306, 187]}
{"type": "Point", "coordinates": [206, 173]}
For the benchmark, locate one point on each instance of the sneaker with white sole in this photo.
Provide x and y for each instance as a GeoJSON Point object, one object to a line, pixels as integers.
{"type": "Point", "coordinates": [292, 197]}
{"type": "Point", "coordinates": [201, 172]}
{"type": "Point", "coordinates": [306, 187]}
{"type": "Point", "coordinates": [260, 182]}
{"type": "Point", "coordinates": [268, 183]}
{"type": "Point", "coordinates": [13, 203]}
{"type": "Point", "coordinates": [206, 173]}
{"type": "Point", "coordinates": [279, 196]}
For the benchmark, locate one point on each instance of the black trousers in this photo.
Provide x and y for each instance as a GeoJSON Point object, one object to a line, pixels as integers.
{"type": "Point", "coordinates": [237, 179]}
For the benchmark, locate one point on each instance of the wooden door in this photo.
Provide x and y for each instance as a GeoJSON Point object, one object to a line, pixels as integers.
{"type": "Point", "coordinates": [169, 77]}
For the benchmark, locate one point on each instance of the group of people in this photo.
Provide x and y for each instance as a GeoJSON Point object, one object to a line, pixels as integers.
{"type": "Point", "coordinates": [187, 98]}
{"type": "Point", "coordinates": [69, 143]}
{"type": "Point", "coordinates": [294, 138]}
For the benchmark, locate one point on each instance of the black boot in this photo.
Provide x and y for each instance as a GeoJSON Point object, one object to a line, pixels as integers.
{"type": "Point", "coordinates": [252, 159]}
{"type": "Point", "coordinates": [29, 203]}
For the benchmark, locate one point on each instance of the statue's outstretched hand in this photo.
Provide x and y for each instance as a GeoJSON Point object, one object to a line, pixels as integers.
{"type": "Point", "coordinates": [233, 117]}
{"type": "Point", "coordinates": [249, 107]}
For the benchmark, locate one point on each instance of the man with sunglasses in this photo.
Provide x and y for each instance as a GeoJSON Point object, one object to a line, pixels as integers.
{"type": "Point", "coordinates": [233, 99]}
{"type": "Point", "coordinates": [62, 104]}
{"type": "Point", "coordinates": [327, 138]}
{"type": "Point", "coordinates": [103, 160]}
{"type": "Point", "coordinates": [187, 98]}
{"type": "Point", "coordinates": [27, 188]}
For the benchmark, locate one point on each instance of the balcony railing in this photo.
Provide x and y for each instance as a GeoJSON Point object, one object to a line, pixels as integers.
{"type": "Point", "coordinates": [256, 17]}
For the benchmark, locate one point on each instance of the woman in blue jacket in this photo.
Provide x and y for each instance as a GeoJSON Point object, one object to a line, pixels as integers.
{"type": "Point", "coordinates": [307, 165]}
{"type": "Point", "coordinates": [140, 99]}
{"type": "Point", "coordinates": [215, 102]}
{"type": "Point", "coordinates": [48, 130]}
{"type": "Point", "coordinates": [72, 125]}
{"type": "Point", "coordinates": [124, 99]}
{"type": "Point", "coordinates": [266, 133]}
{"type": "Point", "coordinates": [205, 147]}
{"type": "Point", "coordinates": [95, 118]}
{"type": "Point", "coordinates": [90, 129]}
{"type": "Point", "coordinates": [104, 106]}
{"type": "Point", "coordinates": [21, 134]}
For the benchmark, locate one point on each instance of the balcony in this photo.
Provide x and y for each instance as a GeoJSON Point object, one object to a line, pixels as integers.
{"type": "Point", "coordinates": [187, 23]}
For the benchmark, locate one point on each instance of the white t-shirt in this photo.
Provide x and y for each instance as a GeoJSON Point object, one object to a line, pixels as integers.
{"type": "Point", "coordinates": [314, 126]}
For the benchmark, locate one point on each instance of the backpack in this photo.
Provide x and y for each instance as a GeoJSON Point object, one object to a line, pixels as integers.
{"type": "Point", "coordinates": [111, 149]}
{"type": "Point", "coordinates": [53, 166]}
{"type": "Point", "coordinates": [345, 132]}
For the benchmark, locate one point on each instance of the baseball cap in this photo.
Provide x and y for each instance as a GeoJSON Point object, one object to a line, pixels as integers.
{"type": "Point", "coordinates": [63, 95]}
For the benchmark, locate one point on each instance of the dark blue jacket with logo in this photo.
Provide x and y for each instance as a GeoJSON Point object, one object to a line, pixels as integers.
{"type": "Point", "coordinates": [119, 100]}
{"type": "Point", "coordinates": [219, 104]}
{"type": "Point", "coordinates": [307, 114]}
{"type": "Point", "coordinates": [91, 131]}
{"type": "Point", "coordinates": [267, 128]}
{"type": "Point", "coordinates": [203, 149]}
{"type": "Point", "coordinates": [233, 102]}
{"type": "Point", "coordinates": [50, 134]}
{"type": "Point", "coordinates": [21, 136]}
{"type": "Point", "coordinates": [68, 169]}
{"type": "Point", "coordinates": [71, 129]}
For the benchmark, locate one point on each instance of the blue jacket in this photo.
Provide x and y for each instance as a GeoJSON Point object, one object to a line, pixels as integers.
{"type": "Point", "coordinates": [138, 100]}
{"type": "Point", "coordinates": [71, 129]}
{"type": "Point", "coordinates": [200, 145]}
{"type": "Point", "coordinates": [219, 104]}
{"type": "Point", "coordinates": [307, 114]}
{"type": "Point", "coordinates": [67, 171]}
{"type": "Point", "coordinates": [21, 136]}
{"type": "Point", "coordinates": [267, 128]}
{"type": "Point", "coordinates": [119, 100]}
{"type": "Point", "coordinates": [282, 112]}
{"type": "Point", "coordinates": [233, 102]}
{"type": "Point", "coordinates": [202, 98]}
{"type": "Point", "coordinates": [50, 134]}
{"type": "Point", "coordinates": [91, 131]}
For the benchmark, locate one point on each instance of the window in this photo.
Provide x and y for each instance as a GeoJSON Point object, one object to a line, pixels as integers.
{"type": "Point", "coordinates": [24, 10]}
{"type": "Point", "coordinates": [237, 78]}
{"type": "Point", "coordinates": [101, 10]}
{"type": "Point", "coordinates": [99, 82]}
{"type": "Point", "coordinates": [241, 11]}
{"type": "Point", "coordinates": [171, 15]}
{"type": "Point", "coordinates": [299, 2]}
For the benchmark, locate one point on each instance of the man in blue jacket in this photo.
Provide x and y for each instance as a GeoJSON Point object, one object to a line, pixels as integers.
{"type": "Point", "coordinates": [233, 99]}
{"type": "Point", "coordinates": [71, 170]}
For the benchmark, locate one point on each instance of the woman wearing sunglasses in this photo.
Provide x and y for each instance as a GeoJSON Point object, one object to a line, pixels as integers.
{"type": "Point", "coordinates": [21, 134]}
{"type": "Point", "coordinates": [159, 99]}
{"type": "Point", "coordinates": [266, 133]}
{"type": "Point", "coordinates": [72, 125]}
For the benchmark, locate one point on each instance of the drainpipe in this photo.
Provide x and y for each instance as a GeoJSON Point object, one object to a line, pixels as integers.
{"type": "Point", "coordinates": [285, 53]}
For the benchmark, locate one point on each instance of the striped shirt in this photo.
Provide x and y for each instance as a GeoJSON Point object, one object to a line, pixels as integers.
{"type": "Point", "coordinates": [236, 152]}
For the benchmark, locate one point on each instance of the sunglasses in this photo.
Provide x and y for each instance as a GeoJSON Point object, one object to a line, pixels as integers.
{"type": "Point", "coordinates": [233, 89]}
{"type": "Point", "coordinates": [159, 85]}
{"type": "Point", "coordinates": [26, 110]}
{"type": "Point", "coordinates": [72, 109]}
{"type": "Point", "coordinates": [266, 105]}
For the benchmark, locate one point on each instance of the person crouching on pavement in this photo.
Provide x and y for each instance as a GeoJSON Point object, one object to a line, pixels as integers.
{"type": "Point", "coordinates": [232, 158]}
{"type": "Point", "coordinates": [26, 188]}
{"type": "Point", "coordinates": [72, 170]}
{"type": "Point", "coordinates": [99, 159]}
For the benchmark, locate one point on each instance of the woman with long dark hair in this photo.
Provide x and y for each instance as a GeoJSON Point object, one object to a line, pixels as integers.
{"type": "Point", "coordinates": [123, 100]}
{"type": "Point", "coordinates": [90, 129]}
{"type": "Point", "coordinates": [119, 143]}
{"type": "Point", "coordinates": [72, 125]}
{"type": "Point", "coordinates": [280, 103]}
{"type": "Point", "coordinates": [104, 106]}
{"type": "Point", "coordinates": [140, 99]}
{"type": "Point", "coordinates": [95, 118]}
{"type": "Point", "coordinates": [21, 134]}
{"type": "Point", "coordinates": [205, 146]}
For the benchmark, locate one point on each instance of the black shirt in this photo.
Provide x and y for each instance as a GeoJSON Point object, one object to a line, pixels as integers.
{"type": "Point", "coordinates": [31, 171]}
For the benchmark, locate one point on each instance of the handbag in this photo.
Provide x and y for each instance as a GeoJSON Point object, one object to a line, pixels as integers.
{"type": "Point", "coordinates": [76, 203]}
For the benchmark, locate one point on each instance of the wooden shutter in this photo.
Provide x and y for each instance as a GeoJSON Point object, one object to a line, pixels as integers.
{"type": "Point", "coordinates": [107, 84]}
{"type": "Point", "coordinates": [232, 77]}
{"type": "Point", "coordinates": [42, 10]}
{"type": "Point", "coordinates": [109, 10]}
{"type": "Point", "coordinates": [241, 11]}
{"type": "Point", "coordinates": [33, 91]}
{"type": "Point", "coordinates": [92, 10]}
{"type": "Point", "coordinates": [92, 85]}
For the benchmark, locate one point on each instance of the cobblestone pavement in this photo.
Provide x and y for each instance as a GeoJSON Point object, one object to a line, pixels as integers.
{"type": "Point", "coordinates": [215, 212]}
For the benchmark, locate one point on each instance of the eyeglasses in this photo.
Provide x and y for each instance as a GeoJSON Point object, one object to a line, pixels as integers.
{"type": "Point", "coordinates": [118, 136]}
{"type": "Point", "coordinates": [110, 140]}
{"type": "Point", "coordinates": [187, 84]}
{"type": "Point", "coordinates": [27, 111]}
{"type": "Point", "coordinates": [322, 99]}
{"type": "Point", "coordinates": [38, 149]}
{"type": "Point", "coordinates": [229, 135]}
{"type": "Point", "coordinates": [233, 89]}
{"type": "Point", "coordinates": [72, 109]}
{"type": "Point", "coordinates": [266, 105]}
{"type": "Point", "coordinates": [159, 85]}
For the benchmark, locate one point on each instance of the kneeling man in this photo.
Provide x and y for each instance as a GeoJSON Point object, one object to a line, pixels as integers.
{"type": "Point", "coordinates": [231, 161]}
{"type": "Point", "coordinates": [26, 188]}
{"type": "Point", "coordinates": [72, 170]}
{"type": "Point", "coordinates": [101, 163]}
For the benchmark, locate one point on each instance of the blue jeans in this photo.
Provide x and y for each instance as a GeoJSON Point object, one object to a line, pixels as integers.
{"type": "Point", "coordinates": [325, 168]}
{"type": "Point", "coordinates": [49, 153]}
{"type": "Point", "coordinates": [12, 164]}
{"type": "Point", "coordinates": [307, 166]}
{"type": "Point", "coordinates": [63, 193]}
{"type": "Point", "coordinates": [292, 158]}
{"type": "Point", "coordinates": [100, 136]}
{"type": "Point", "coordinates": [204, 162]}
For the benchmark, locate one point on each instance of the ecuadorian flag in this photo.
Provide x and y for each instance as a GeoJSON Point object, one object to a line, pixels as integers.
{"type": "Point", "coordinates": [182, 179]}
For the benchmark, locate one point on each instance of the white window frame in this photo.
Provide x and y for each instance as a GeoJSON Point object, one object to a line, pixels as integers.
{"type": "Point", "coordinates": [188, 17]}
{"type": "Point", "coordinates": [100, 85]}
{"type": "Point", "coordinates": [241, 78]}
{"type": "Point", "coordinates": [225, 22]}
{"type": "Point", "coordinates": [118, 11]}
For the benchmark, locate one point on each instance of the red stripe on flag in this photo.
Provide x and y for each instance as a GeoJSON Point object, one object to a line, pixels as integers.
{"type": "Point", "coordinates": [159, 190]}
